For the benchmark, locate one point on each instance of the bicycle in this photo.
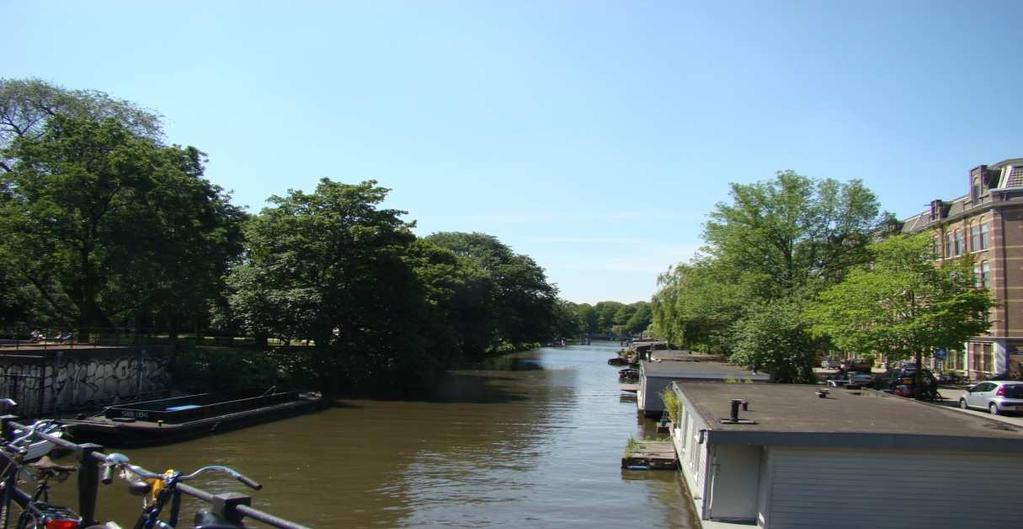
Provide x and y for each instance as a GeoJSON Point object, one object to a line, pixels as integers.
{"type": "Point", "coordinates": [36, 510]}
{"type": "Point", "coordinates": [160, 489]}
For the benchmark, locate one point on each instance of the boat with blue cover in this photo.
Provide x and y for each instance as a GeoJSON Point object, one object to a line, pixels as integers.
{"type": "Point", "coordinates": [173, 419]}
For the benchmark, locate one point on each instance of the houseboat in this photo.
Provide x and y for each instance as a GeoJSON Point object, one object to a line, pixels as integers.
{"type": "Point", "coordinates": [177, 418]}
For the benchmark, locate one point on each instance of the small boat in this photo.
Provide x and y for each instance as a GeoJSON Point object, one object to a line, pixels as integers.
{"type": "Point", "coordinates": [174, 419]}
{"type": "Point", "coordinates": [39, 447]}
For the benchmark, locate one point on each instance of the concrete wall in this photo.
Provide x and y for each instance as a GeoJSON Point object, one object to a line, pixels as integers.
{"type": "Point", "coordinates": [52, 381]}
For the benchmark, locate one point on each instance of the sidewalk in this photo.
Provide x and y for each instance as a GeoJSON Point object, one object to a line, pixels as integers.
{"type": "Point", "coordinates": [952, 401]}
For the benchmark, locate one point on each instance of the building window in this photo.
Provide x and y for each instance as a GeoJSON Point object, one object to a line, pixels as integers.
{"type": "Point", "coordinates": [948, 245]}
{"type": "Point", "coordinates": [985, 275]}
{"type": "Point", "coordinates": [987, 362]}
{"type": "Point", "coordinates": [976, 189]}
{"type": "Point", "coordinates": [958, 243]}
{"type": "Point", "coordinates": [983, 238]}
{"type": "Point", "coordinates": [975, 238]}
{"type": "Point", "coordinates": [978, 278]}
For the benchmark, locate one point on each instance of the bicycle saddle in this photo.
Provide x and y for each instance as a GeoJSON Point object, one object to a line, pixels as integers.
{"type": "Point", "coordinates": [46, 464]}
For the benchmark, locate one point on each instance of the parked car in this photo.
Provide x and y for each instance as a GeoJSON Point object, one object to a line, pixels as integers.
{"type": "Point", "coordinates": [831, 363]}
{"type": "Point", "coordinates": [995, 396]}
{"type": "Point", "coordinates": [900, 382]}
{"type": "Point", "coordinates": [861, 379]}
{"type": "Point", "coordinates": [857, 364]}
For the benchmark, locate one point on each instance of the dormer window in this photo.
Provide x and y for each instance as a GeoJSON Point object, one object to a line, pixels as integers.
{"type": "Point", "coordinates": [975, 190]}
{"type": "Point", "coordinates": [1012, 177]}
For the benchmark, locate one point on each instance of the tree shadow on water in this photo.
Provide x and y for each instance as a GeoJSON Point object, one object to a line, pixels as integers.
{"type": "Point", "coordinates": [460, 388]}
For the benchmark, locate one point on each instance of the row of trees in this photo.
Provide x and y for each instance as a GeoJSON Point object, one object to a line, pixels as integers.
{"type": "Point", "coordinates": [103, 225]}
{"type": "Point", "coordinates": [795, 267]}
{"type": "Point", "coordinates": [612, 317]}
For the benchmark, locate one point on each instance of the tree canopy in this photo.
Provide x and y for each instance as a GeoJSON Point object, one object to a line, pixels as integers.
{"type": "Point", "coordinates": [103, 226]}
{"type": "Point", "coordinates": [903, 305]}
{"type": "Point", "coordinates": [768, 251]}
{"type": "Point", "coordinates": [27, 105]}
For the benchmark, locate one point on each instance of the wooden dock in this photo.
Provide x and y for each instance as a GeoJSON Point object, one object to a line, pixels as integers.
{"type": "Point", "coordinates": [651, 455]}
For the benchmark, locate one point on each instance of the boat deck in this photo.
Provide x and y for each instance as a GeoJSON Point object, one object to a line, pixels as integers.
{"type": "Point", "coordinates": [651, 455]}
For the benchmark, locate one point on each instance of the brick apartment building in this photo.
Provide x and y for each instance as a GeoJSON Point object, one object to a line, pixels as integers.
{"type": "Point", "coordinates": [987, 222]}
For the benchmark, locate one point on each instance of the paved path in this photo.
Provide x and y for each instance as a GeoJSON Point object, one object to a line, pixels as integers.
{"type": "Point", "coordinates": [952, 401]}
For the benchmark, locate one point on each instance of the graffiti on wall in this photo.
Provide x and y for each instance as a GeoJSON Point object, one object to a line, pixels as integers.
{"type": "Point", "coordinates": [63, 381]}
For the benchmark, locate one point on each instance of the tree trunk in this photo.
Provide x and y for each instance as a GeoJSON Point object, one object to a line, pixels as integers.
{"type": "Point", "coordinates": [918, 377]}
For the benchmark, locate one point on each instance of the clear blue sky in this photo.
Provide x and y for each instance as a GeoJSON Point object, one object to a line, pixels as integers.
{"type": "Point", "coordinates": [593, 136]}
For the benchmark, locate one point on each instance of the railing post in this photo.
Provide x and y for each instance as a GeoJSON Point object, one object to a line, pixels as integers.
{"type": "Point", "coordinates": [88, 482]}
{"type": "Point", "coordinates": [11, 477]}
{"type": "Point", "coordinates": [225, 505]}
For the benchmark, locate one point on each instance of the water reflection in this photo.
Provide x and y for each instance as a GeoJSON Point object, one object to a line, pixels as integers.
{"type": "Point", "coordinates": [534, 439]}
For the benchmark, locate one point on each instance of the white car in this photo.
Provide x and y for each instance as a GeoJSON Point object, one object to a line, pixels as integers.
{"type": "Point", "coordinates": [995, 396]}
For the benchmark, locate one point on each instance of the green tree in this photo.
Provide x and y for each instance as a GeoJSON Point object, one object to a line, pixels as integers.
{"type": "Point", "coordinates": [792, 232]}
{"type": "Point", "coordinates": [26, 105]}
{"type": "Point", "coordinates": [606, 311]}
{"type": "Point", "coordinates": [640, 318]}
{"type": "Point", "coordinates": [778, 241]}
{"type": "Point", "coordinates": [587, 318]}
{"type": "Point", "coordinates": [333, 267]}
{"type": "Point", "coordinates": [698, 303]}
{"type": "Point", "coordinates": [506, 300]}
{"type": "Point", "coordinates": [775, 337]}
{"type": "Point", "coordinates": [105, 226]}
{"type": "Point", "coordinates": [902, 304]}
{"type": "Point", "coordinates": [565, 323]}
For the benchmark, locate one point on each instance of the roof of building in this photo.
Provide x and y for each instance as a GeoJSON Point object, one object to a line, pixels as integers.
{"type": "Point", "coordinates": [682, 355]}
{"type": "Point", "coordinates": [794, 415]}
{"type": "Point", "coordinates": [698, 370]}
{"type": "Point", "coordinates": [1010, 180]}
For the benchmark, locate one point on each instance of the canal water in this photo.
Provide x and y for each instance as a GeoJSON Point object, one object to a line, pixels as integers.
{"type": "Point", "coordinates": [533, 441]}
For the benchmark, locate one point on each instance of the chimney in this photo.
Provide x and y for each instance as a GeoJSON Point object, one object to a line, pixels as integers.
{"type": "Point", "coordinates": [937, 209]}
{"type": "Point", "coordinates": [735, 409]}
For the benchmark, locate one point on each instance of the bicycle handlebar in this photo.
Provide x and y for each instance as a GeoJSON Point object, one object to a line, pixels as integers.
{"type": "Point", "coordinates": [249, 482]}
{"type": "Point", "coordinates": [121, 461]}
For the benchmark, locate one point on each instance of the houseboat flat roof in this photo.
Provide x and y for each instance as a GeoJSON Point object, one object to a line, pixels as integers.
{"type": "Point", "coordinates": [711, 370]}
{"type": "Point", "coordinates": [682, 355]}
{"type": "Point", "coordinates": [791, 414]}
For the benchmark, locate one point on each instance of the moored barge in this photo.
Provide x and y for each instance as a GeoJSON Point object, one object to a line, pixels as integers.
{"type": "Point", "coordinates": [174, 419]}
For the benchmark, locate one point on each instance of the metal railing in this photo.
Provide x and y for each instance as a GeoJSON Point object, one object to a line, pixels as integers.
{"type": "Point", "coordinates": [231, 505]}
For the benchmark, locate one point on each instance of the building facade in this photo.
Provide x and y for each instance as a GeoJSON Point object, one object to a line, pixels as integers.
{"type": "Point", "coordinates": [987, 224]}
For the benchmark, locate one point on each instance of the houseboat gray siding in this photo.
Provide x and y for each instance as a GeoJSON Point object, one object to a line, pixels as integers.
{"type": "Point", "coordinates": [791, 467]}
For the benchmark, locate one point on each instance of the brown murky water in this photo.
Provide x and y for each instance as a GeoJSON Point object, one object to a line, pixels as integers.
{"type": "Point", "coordinates": [533, 442]}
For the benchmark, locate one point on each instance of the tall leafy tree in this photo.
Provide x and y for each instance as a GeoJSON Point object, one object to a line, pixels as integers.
{"type": "Point", "coordinates": [107, 227]}
{"type": "Point", "coordinates": [793, 231]}
{"type": "Point", "coordinates": [778, 241]}
{"type": "Point", "coordinates": [26, 105]}
{"type": "Point", "coordinates": [334, 267]}
{"type": "Point", "coordinates": [640, 318]}
{"type": "Point", "coordinates": [507, 298]}
{"type": "Point", "coordinates": [903, 305]}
